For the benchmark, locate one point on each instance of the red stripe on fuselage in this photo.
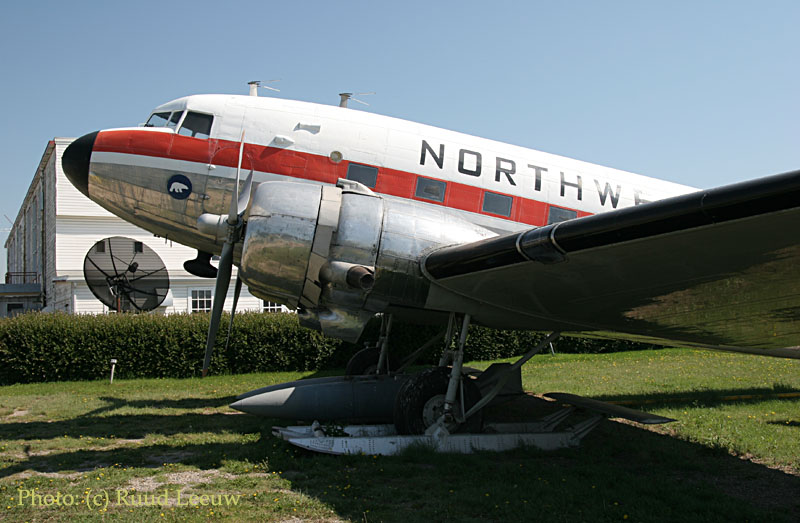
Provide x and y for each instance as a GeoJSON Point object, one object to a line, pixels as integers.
{"type": "Point", "coordinates": [307, 166]}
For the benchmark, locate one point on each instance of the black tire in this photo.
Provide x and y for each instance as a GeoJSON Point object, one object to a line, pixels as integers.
{"type": "Point", "coordinates": [365, 361]}
{"type": "Point", "coordinates": [420, 399]}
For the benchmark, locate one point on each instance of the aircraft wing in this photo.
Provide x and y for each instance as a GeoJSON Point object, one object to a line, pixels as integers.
{"type": "Point", "coordinates": [716, 268]}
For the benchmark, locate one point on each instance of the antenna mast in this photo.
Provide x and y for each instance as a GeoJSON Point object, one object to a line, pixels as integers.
{"type": "Point", "coordinates": [344, 97]}
{"type": "Point", "coordinates": [255, 84]}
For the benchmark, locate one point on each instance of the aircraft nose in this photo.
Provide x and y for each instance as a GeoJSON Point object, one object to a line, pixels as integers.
{"type": "Point", "coordinates": [75, 161]}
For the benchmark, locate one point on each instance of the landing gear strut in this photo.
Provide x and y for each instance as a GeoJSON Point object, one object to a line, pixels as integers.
{"type": "Point", "coordinates": [440, 398]}
{"type": "Point", "coordinates": [420, 402]}
{"type": "Point", "coordinates": [374, 359]}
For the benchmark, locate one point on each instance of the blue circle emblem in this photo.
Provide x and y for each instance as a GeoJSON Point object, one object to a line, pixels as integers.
{"type": "Point", "coordinates": [179, 187]}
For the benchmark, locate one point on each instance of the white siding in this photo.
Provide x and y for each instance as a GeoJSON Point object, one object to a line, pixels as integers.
{"type": "Point", "coordinates": [69, 201]}
{"type": "Point", "coordinates": [75, 235]}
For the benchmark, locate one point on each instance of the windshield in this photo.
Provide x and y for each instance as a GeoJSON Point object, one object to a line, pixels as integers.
{"type": "Point", "coordinates": [164, 119]}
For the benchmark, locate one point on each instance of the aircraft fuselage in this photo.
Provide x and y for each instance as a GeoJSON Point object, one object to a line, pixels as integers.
{"type": "Point", "coordinates": [162, 179]}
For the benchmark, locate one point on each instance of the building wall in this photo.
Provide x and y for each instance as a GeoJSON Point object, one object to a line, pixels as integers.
{"type": "Point", "coordinates": [49, 216]}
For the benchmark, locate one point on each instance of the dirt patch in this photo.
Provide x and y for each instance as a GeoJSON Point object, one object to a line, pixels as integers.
{"type": "Point", "coordinates": [122, 441]}
{"type": "Point", "coordinates": [146, 484]}
{"type": "Point", "coordinates": [187, 478]}
{"type": "Point", "coordinates": [169, 457]}
{"type": "Point", "coordinates": [53, 475]}
{"type": "Point", "coordinates": [194, 477]}
{"type": "Point", "coordinates": [17, 413]}
{"type": "Point", "coordinates": [39, 452]}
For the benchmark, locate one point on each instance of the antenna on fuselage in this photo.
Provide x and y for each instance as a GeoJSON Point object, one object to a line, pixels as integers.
{"type": "Point", "coordinates": [255, 84]}
{"type": "Point", "coordinates": [344, 97]}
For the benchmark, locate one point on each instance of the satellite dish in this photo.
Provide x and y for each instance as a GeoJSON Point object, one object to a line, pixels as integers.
{"type": "Point", "coordinates": [126, 275]}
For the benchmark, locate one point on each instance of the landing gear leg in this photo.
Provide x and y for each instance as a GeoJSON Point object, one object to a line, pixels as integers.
{"type": "Point", "coordinates": [374, 359]}
{"type": "Point", "coordinates": [383, 343]}
{"type": "Point", "coordinates": [439, 396]}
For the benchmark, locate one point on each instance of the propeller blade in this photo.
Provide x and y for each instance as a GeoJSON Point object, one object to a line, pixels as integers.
{"type": "Point", "coordinates": [244, 198]}
{"type": "Point", "coordinates": [236, 290]}
{"type": "Point", "coordinates": [233, 215]}
{"type": "Point", "coordinates": [220, 291]}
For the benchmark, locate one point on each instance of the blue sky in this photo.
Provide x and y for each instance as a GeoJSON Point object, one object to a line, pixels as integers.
{"type": "Point", "coordinates": [697, 92]}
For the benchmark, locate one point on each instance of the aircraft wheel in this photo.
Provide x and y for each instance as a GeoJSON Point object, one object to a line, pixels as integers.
{"type": "Point", "coordinates": [420, 402]}
{"type": "Point", "coordinates": [365, 362]}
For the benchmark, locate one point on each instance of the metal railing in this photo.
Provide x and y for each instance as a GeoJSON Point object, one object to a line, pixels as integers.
{"type": "Point", "coordinates": [22, 277]}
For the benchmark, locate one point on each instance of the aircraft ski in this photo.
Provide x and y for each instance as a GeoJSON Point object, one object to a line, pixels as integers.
{"type": "Point", "coordinates": [550, 432]}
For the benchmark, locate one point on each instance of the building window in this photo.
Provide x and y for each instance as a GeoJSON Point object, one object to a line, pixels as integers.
{"type": "Point", "coordinates": [271, 306]}
{"type": "Point", "coordinates": [201, 300]}
{"type": "Point", "coordinates": [430, 189]}
{"type": "Point", "coordinates": [138, 247]}
{"type": "Point", "coordinates": [557, 214]}
{"type": "Point", "coordinates": [100, 246]}
{"type": "Point", "coordinates": [497, 203]}
{"type": "Point", "coordinates": [363, 174]}
{"type": "Point", "coordinates": [13, 309]}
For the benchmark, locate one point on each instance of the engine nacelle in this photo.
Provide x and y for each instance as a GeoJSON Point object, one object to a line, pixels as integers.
{"type": "Point", "coordinates": [342, 254]}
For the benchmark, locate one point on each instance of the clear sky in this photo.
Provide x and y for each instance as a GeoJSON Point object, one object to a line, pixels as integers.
{"type": "Point", "coordinates": [697, 92]}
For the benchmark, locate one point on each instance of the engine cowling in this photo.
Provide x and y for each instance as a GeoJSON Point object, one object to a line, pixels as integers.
{"type": "Point", "coordinates": [342, 254]}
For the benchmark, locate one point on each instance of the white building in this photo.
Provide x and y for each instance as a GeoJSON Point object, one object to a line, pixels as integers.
{"type": "Point", "coordinates": [55, 228]}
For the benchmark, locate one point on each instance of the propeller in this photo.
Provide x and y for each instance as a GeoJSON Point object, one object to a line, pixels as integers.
{"type": "Point", "coordinates": [238, 207]}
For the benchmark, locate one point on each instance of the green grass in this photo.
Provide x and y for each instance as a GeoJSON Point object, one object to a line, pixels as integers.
{"type": "Point", "coordinates": [148, 437]}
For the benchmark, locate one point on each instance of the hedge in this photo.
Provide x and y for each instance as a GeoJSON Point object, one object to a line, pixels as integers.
{"type": "Point", "coordinates": [38, 347]}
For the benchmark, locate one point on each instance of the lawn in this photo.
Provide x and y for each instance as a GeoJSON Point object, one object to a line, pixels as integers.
{"type": "Point", "coordinates": [128, 450]}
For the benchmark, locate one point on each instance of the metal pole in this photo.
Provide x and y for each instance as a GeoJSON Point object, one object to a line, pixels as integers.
{"type": "Point", "coordinates": [383, 355]}
{"type": "Point", "coordinates": [113, 365]}
{"type": "Point", "coordinates": [455, 373]}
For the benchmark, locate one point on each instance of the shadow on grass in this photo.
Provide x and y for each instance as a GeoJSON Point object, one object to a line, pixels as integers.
{"type": "Point", "coordinates": [710, 398]}
{"type": "Point", "coordinates": [187, 403]}
{"type": "Point", "coordinates": [785, 423]}
{"type": "Point", "coordinates": [619, 471]}
{"type": "Point", "coordinates": [130, 426]}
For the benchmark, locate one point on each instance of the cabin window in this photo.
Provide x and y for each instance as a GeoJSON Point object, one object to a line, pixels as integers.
{"type": "Point", "coordinates": [365, 174]}
{"type": "Point", "coordinates": [497, 203]}
{"type": "Point", "coordinates": [430, 189]}
{"type": "Point", "coordinates": [158, 120]}
{"type": "Point", "coordinates": [200, 300]}
{"type": "Point", "coordinates": [196, 125]}
{"type": "Point", "coordinates": [558, 214]}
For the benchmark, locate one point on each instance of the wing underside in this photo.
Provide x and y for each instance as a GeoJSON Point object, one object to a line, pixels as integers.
{"type": "Point", "coordinates": [715, 269]}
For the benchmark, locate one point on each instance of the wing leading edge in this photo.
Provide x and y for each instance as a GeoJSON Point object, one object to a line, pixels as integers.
{"type": "Point", "coordinates": [714, 268]}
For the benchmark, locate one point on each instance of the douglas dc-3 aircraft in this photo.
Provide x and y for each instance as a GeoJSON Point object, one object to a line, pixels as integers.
{"type": "Point", "coordinates": [345, 214]}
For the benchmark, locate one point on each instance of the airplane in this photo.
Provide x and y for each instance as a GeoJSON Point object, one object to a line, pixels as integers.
{"type": "Point", "coordinates": [345, 215]}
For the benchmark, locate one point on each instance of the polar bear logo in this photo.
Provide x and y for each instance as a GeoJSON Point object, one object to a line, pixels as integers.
{"type": "Point", "coordinates": [178, 187]}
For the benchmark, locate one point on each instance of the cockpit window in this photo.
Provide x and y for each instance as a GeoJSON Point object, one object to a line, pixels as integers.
{"type": "Point", "coordinates": [157, 120]}
{"type": "Point", "coordinates": [174, 119]}
{"type": "Point", "coordinates": [196, 125]}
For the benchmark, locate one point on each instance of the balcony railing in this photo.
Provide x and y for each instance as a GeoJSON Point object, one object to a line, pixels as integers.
{"type": "Point", "coordinates": [21, 277]}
